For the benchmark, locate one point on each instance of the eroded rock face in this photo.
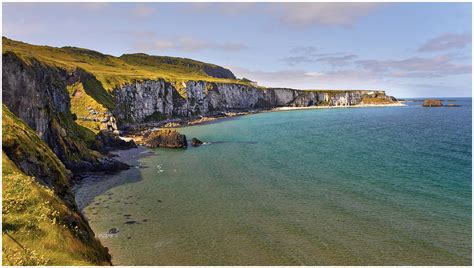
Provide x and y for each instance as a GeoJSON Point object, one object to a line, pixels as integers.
{"type": "Point", "coordinates": [432, 103]}
{"type": "Point", "coordinates": [165, 138]}
{"type": "Point", "coordinates": [34, 93]}
{"type": "Point", "coordinates": [159, 100]}
{"type": "Point", "coordinates": [37, 94]}
{"type": "Point", "coordinates": [107, 141]}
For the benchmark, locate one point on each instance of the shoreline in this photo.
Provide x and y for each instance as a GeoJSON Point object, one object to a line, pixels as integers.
{"type": "Point", "coordinates": [138, 129]}
{"type": "Point", "coordinates": [88, 185]}
{"type": "Point", "coordinates": [210, 119]}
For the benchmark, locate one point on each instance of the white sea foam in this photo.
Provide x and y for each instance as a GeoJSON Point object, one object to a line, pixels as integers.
{"type": "Point", "coordinates": [160, 169]}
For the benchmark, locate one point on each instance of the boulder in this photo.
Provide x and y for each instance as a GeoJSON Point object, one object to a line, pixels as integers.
{"type": "Point", "coordinates": [195, 142]}
{"type": "Point", "coordinates": [106, 141]}
{"type": "Point", "coordinates": [169, 138]}
{"type": "Point", "coordinates": [432, 103]}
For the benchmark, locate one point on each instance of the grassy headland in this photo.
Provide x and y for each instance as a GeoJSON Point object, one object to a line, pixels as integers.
{"type": "Point", "coordinates": [41, 225]}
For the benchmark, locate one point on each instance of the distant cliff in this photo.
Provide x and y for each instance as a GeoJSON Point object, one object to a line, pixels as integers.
{"type": "Point", "coordinates": [158, 100]}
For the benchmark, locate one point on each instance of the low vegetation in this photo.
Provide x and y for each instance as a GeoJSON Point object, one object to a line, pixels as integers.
{"type": "Point", "coordinates": [38, 226]}
{"type": "Point", "coordinates": [113, 71]}
{"type": "Point", "coordinates": [366, 100]}
{"type": "Point", "coordinates": [33, 232]}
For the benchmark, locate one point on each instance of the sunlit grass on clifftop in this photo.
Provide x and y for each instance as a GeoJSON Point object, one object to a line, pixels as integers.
{"type": "Point", "coordinates": [113, 71]}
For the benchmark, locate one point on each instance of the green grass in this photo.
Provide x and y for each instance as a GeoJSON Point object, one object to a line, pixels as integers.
{"type": "Point", "coordinates": [80, 101]}
{"type": "Point", "coordinates": [112, 71]}
{"type": "Point", "coordinates": [38, 228]}
{"type": "Point", "coordinates": [33, 230]}
{"type": "Point", "coordinates": [374, 101]}
{"type": "Point", "coordinates": [25, 144]}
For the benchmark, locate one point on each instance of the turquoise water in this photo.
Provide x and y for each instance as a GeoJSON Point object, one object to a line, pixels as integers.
{"type": "Point", "coordinates": [365, 186]}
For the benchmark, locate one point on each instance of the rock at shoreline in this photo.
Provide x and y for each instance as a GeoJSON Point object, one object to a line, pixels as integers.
{"type": "Point", "coordinates": [432, 103]}
{"type": "Point", "coordinates": [106, 141]}
{"type": "Point", "coordinates": [195, 142]}
{"type": "Point", "coordinates": [165, 138]}
{"type": "Point", "coordinates": [111, 164]}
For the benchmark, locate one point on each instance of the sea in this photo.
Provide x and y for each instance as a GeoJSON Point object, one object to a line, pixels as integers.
{"type": "Point", "coordinates": [342, 186]}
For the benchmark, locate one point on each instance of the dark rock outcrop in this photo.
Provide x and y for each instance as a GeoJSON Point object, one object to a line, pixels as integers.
{"type": "Point", "coordinates": [165, 138]}
{"type": "Point", "coordinates": [195, 142]}
{"type": "Point", "coordinates": [432, 103]}
{"type": "Point", "coordinates": [107, 141]}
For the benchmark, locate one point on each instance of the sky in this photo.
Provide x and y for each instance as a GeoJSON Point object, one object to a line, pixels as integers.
{"type": "Point", "coordinates": [407, 49]}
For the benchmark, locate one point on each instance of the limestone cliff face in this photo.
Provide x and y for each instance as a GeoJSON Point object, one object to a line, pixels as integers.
{"type": "Point", "coordinates": [159, 100]}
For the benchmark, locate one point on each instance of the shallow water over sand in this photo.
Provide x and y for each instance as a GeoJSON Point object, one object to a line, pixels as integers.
{"type": "Point", "coordinates": [366, 186]}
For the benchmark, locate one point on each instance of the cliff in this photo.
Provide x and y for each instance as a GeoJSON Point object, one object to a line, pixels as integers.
{"type": "Point", "coordinates": [37, 94]}
{"type": "Point", "coordinates": [41, 224]}
{"type": "Point", "coordinates": [159, 100]}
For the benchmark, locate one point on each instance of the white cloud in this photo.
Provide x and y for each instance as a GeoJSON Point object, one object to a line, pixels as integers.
{"type": "Point", "coordinates": [309, 55]}
{"type": "Point", "coordinates": [437, 66]}
{"type": "Point", "coordinates": [311, 79]}
{"type": "Point", "coordinates": [362, 73]}
{"type": "Point", "coordinates": [295, 14]}
{"type": "Point", "coordinates": [185, 43]}
{"type": "Point", "coordinates": [446, 42]}
{"type": "Point", "coordinates": [307, 14]}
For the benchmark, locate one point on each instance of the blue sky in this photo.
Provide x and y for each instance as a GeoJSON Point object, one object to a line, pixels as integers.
{"type": "Point", "coordinates": [408, 49]}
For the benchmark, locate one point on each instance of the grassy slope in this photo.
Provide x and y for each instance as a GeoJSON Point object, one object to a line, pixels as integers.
{"type": "Point", "coordinates": [34, 230]}
{"type": "Point", "coordinates": [374, 101]}
{"type": "Point", "coordinates": [114, 71]}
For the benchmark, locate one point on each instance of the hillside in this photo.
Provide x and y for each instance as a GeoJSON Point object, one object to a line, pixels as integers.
{"type": "Point", "coordinates": [41, 224]}
{"type": "Point", "coordinates": [116, 71]}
